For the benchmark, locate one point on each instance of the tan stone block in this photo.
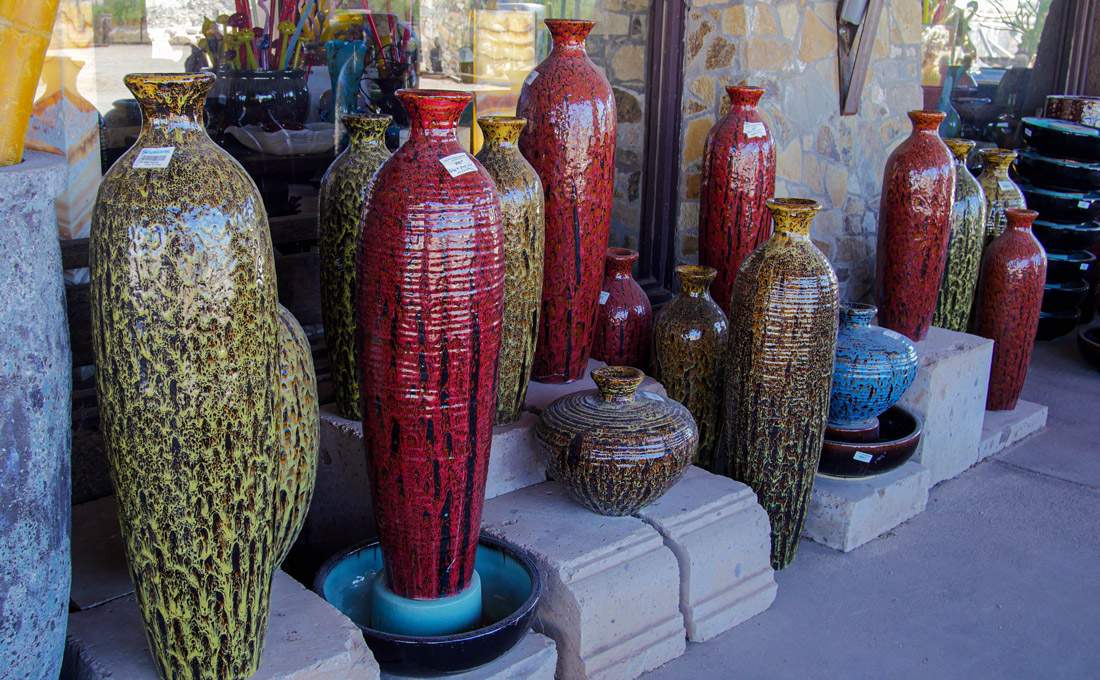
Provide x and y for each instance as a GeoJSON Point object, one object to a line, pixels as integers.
{"type": "Point", "coordinates": [695, 138]}
{"type": "Point", "coordinates": [689, 245]}
{"type": "Point", "coordinates": [629, 62]}
{"type": "Point", "coordinates": [907, 17]}
{"type": "Point", "coordinates": [763, 23]}
{"type": "Point", "coordinates": [818, 39]}
{"type": "Point", "coordinates": [703, 88]}
{"type": "Point", "coordinates": [789, 163]}
{"type": "Point", "coordinates": [635, 5]}
{"type": "Point", "coordinates": [687, 219]}
{"type": "Point", "coordinates": [696, 38]}
{"type": "Point", "coordinates": [788, 19]}
{"type": "Point", "coordinates": [812, 174]}
{"type": "Point", "coordinates": [694, 107]}
{"type": "Point", "coordinates": [762, 54]}
{"type": "Point", "coordinates": [836, 182]}
{"type": "Point", "coordinates": [693, 185]}
{"type": "Point", "coordinates": [733, 20]}
{"type": "Point", "coordinates": [608, 23]}
{"type": "Point", "coordinates": [720, 54]}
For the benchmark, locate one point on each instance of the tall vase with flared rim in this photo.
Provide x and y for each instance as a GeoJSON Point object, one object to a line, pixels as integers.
{"type": "Point", "coordinates": [964, 246]}
{"type": "Point", "coordinates": [1010, 296]}
{"type": "Point", "coordinates": [689, 353]}
{"type": "Point", "coordinates": [624, 323]}
{"type": "Point", "coordinates": [431, 294]}
{"type": "Point", "coordinates": [184, 327]}
{"type": "Point", "coordinates": [343, 190]}
{"type": "Point", "coordinates": [738, 176]}
{"type": "Point", "coordinates": [918, 190]}
{"type": "Point", "coordinates": [783, 326]}
{"type": "Point", "coordinates": [1001, 193]}
{"type": "Point", "coordinates": [570, 141]}
{"type": "Point", "coordinates": [521, 200]}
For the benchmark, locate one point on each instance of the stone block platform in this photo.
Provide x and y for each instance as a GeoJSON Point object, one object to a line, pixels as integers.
{"type": "Point", "coordinates": [1002, 429]}
{"type": "Point", "coordinates": [534, 658]}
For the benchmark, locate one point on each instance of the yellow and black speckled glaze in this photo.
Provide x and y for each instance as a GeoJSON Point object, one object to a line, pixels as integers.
{"type": "Point", "coordinates": [1000, 191]}
{"type": "Point", "coordinates": [521, 199]}
{"type": "Point", "coordinates": [783, 325]}
{"type": "Point", "coordinates": [689, 354]}
{"type": "Point", "coordinates": [301, 423]}
{"type": "Point", "coordinates": [185, 330]}
{"type": "Point", "coordinates": [614, 449]}
{"type": "Point", "coordinates": [964, 247]}
{"type": "Point", "coordinates": [343, 191]}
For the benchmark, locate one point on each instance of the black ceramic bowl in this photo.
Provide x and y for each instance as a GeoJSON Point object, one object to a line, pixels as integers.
{"type": "Point", "coordinates": [1066, 206]}
{"type": "Point", "coordinates": [1064, 173]}
{"type": "Point", "coordinates": [1063, 267]}
{"type": "Point", "coordinates": [1088, 344]}
{"type": "Point", "coordinates": [899, 434]}
{"type": "Point", "coordinates": [511, 587]}
{"type": "Point", "coordinates": [1059, 296]}
{"type": "Point", "coordinates": [1056, 324]}
{"type": "Point", "coordinates": [1062, 139]}
{"type": "Point", "coordinates": [1056, 235]}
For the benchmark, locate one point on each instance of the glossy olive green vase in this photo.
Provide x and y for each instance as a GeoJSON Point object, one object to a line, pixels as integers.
{"type": "Point", "coordinates": [783, 325]}
{"type": "Point", "coordinates": [964, 247]}
{"type": "Point", "coordinates": [185, 332]}
{"type": "Point", "coordinates": [1000, 191]}
{"type": "Point", "coordinates": [343, 191]}
{"type": "Point", "coordinates": [689, 355]}
{"type": "Point", "coordinates": [521, 199]}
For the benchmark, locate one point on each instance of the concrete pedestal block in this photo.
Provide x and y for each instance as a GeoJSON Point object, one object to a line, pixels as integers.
{"type": "Point", "coordinates": [307, 639]}
{"type": "Point", "coordinates": [1002, 429]}
{"type": "Point", "coordinates": [721, 539]}
{"type": "Point", "coordinates": [949, 396]}
{"type": "Point", "coordinates": [541, 395]}
{"type": "Point", "coordinates": [846, 513]}
{"type": "Point", "coordinates": [610, 586]}
{"type": "Point", "coordinates": [534, 658]}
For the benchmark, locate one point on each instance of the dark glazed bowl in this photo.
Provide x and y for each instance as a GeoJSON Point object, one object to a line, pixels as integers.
{"type": "Point", "coordinates": [1072, 266]}
{"type": "Point", "coordinates": [1065, 173]}
{"type": "Point", "coordinates": [1062, 139]}
{"type": "Point", "coordinates": [1057, 235]}
{"type": "Point", "coordinates": [1056, 324]}
{"type": "Point", "coordinates": [511, 587]}
{"type": "Point", "coordinates": [1059, 296]}
{"type": "Point", "coordinates": [899, 434]}
{"type": "Point", "coordinates": [1088, 344]}
{"type": "Point", "coordinates": [1067, 206]}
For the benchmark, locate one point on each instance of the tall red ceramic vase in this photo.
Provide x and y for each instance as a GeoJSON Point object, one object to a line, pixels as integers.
{"type": "Point", "coordinates": [431, 287]}
{"type": "Point", "coordinates": [914, 225]}
{"type": "Point", "coordinates": [624, 322]}
{"type": "Point", "coordinates": [738, 176]}
{"type": "Point", "coordinates": [570, 141]}
{"type": "Point", "coordinates": [1010, 293]}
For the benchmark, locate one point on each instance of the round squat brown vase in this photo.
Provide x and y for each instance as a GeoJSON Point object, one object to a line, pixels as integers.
{"type": "Point", "coordinates": [964, 247]}
{"type": "Point", "coordinates": [918, 190]}
{"type": "Point", "coordinates": [1009, 299]}
{"type": "Point", "coordinates": [782, 343]}
{"type": "Point", "coordinates": [624, 323]}
{"type": "Point", "coordinates": [343, 191]}
{"type": "Point", "coordinates": [521, 201]}
{"type": "Point", "coordinates": [614, 449]}
{"type": "Point", "coordinates": [738, 176]}
{"type": "Point", "coordinates": [689, 353]}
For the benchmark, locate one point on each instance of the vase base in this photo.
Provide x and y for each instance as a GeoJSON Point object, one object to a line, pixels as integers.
{"type": "Point", "coordinates": [392, 613]}
{"type": "Point", "coordinates": [863, 431]}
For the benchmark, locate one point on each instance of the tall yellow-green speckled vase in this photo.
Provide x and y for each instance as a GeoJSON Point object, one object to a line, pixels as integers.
{"type": "Point", "coordinates": [782, 342]}
{"type": "Point", "coordinates": [185, 331]}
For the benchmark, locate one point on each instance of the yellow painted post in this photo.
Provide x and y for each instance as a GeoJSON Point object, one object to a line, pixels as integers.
{"type": "Point", "coordinates": [25, 29]}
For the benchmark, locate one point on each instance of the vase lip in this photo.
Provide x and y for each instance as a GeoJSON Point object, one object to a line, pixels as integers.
{"type": "Point", "coordinates": [618, 262]}
{"type": "Point", "coordinates": [617, 383]}
{"type": "Point", "coordinates": [793, 205]}
{"type": "Point", "coordinates": [364, 127]}
{"type": "Point", "coordinates": [433, 112]}
{"type": "Point", "coordinates": [857, 313]}
{"type": "Point", "coordinates": [925, 120]}
{"type": "Point", "coordinates": [501, 129]}
{"type": "Point", "coordinates": [959, 147]}
{"type": "Point", "coordinates": [696, 271]}
{"type": "Point", "coordinates": [744, 95]}
{"type": "Point", "coordinates": [179, 96]}
{"type": "Point", "coordinates": [569, 32]}
{"type": "Point", "coordinates": [997, 154]}
{"type": "Point", "coordinates": [1020, 218]}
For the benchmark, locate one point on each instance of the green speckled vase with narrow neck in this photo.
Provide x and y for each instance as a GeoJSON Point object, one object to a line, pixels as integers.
{"type": "Point", "coordinates": [964, 247]}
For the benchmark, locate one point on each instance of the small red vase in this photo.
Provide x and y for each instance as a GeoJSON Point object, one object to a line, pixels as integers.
{"type": "Point", "coordinates": [624, 322]}
{"type": "Point", "coordinates": [1010, 294]}
{"type": "Point", "coordinates": [431, 291]}
{"type": "Point", "coordinates": [914, 225]}
{"type": "Point", "coordinates": [570, 141]}
{"type": "Point", "coordinates": [738, 176]}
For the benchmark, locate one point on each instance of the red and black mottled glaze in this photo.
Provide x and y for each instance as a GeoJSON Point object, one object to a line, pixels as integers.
{"type": "Point", "coordinates": [431, 290]}
{"type": "Point", "coordinates": [738, 176]}
{"type": "Point", "coordinates": [1010, 294]}
{"type": "Point", "coordinates": [918, 190]}
{"type": "Point", "coordinates": [570, 141]}
{"type": "Point", "coordinates": [624, 322]}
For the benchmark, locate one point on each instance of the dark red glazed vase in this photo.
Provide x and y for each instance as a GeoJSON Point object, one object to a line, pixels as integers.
{"type": "Point", "coordinates": [738, 176]}
{"type": "Point", "coordinates": [570, 141]}
{"type": "Point", "coordinates": [1010, 293]}
{"type": "Point", "coordinates": [431, 290]}
{"type": "Point", "coordinates": [914, 225]}
{"type": "Point", "coordinates": [624, 322]}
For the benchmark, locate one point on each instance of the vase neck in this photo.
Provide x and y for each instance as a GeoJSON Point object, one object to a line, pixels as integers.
{"type": "Point", "coordinates": [927, 122]}
{"type": "Point", "coordinates": [501, 131]}
{"type": "Point", "coordinates": [997, 161]}
{"type": "Point", "coordinates": [857, 314]}
{"type": "Point", "coordinates": [695, 280]}
{"type": "Point", "coordinates": [793, 216]}
{"type": "Point", "coordinates": [569, 34]}
{"type": "Point", "coordinates": [1020, 220]}
{"type": "Point", "coordinates": [434, 114]}
{"type": "Point", "coordinates": [744, 96]}
{"type": "Point", "coordinates": [171, 104]}
{"type": "Point", "coordinates": [619, 262]}
{"type": "Point", "coordinates": [366, 131]}
{"type": "Point", "coordinates": [960, 149]}
{"type": "Point", "coordinates": [617, 383]}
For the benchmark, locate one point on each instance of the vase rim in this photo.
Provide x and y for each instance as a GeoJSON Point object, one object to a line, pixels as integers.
{"type": "Point", "coordinates": [857, 313]}
{"type": "Point", "coordinates": [927, 120]}
{"type": "Point", "coordinates": [997, 154]}
{"type": "Point", "coordinates": [786, 204]}
{"type": "Point", "coordinates": [569, 32]}
{"type": "Point", "coordinates": [1020, 218]}
{"type": "Point", "coordinates": [744, 95]}
{"type": "Point", "coordinates": [701, 271]}
{"type": "Point", "coordinates": [445, 95]}
{"type": "Point", "coordinates": [622, 254]}
{"type": "Point", "coordinates": [617, 383]}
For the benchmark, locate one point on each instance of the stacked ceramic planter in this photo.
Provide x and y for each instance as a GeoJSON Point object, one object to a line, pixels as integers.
{"type": "Point", "coordinates": [1060, 178]}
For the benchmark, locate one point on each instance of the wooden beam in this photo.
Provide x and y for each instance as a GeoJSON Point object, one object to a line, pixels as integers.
{"type": "Point", "coordinates": [854, 47]}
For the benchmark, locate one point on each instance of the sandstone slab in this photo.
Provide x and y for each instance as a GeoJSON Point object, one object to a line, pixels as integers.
{"type": "Point", "coordinates": [1002, 429]}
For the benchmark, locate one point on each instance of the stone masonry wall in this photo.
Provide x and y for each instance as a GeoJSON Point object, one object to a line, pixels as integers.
{"type": "Point", "coordinates": [790, 48]}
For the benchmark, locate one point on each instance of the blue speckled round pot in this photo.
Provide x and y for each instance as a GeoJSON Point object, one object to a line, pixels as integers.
{"type": "Point", "coordinates": [874, 366]}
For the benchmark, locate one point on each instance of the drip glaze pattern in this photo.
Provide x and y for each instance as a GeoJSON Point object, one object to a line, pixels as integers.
{"type": "Point", "coordinates": [964, 246]}
{"type": "Point", "coordinates": [624, 323]}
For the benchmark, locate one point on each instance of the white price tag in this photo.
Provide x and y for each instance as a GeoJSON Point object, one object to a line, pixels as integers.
{"type": "Point", "coordinates": [603, 297]}
{"type": "Point", "coordinates": [863, 457]}
{"type": "Point", "coordinates": [1084, 266]}
{"type": "Point", "coordinates": [531, 77]}
{"type": "Point", "coordinates": [458, 163]}
{"type": "Point", "coordinates": [154, 157]}
{"type": "Point", "coordinates": [1083, 204]}
{"type": "Point", "coordinates": [1027, 132]}
{"type": "Point", "coordinates": [1006, 185]}
{"type": "Point", "coordinates": [654, 397]}
{"type": "Point", "coordinates": [891, 334]}
{"type": "Point", "coordinates": [754, 130]}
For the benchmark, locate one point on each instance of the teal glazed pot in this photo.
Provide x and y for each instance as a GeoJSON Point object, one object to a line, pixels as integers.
{"type": "Point", "coordinates": [964, 245]}
{"type": "Point", "coordinates": [614, 449]}
{"type": "Point", "coordinates": [874, 367]}
{"type": "Point", "coordinates": [689, 353]}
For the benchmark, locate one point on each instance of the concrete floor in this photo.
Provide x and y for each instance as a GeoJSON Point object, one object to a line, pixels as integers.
{"type": "Point", "coordinates": [998, 578]}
